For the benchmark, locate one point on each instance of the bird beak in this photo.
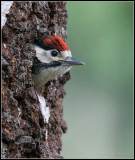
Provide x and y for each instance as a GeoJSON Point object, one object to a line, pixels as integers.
{"type": "Point", "coordinates": [70, 61]}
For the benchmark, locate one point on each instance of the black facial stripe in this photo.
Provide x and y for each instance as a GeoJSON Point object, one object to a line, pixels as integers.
{"type": "Point", "coordinates": [38, 66]}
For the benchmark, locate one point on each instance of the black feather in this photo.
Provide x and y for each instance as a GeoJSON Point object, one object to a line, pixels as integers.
{"type": "Point", "coordinates": [38, 66]}
{"type": "Point", "coordinates": [41, 44]}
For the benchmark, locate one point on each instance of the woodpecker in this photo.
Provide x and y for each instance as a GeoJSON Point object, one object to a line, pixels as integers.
{"type": "Point", "coordinates": [53, 58]}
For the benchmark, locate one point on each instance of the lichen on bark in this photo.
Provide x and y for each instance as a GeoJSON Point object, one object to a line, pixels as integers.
{"type": "Point", "coordinates": [23, 128]}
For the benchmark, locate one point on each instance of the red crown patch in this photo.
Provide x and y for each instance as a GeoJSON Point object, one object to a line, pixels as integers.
{"type": "Point", "coordinates": [57, 42]}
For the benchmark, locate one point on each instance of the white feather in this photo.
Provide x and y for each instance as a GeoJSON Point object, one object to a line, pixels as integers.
{"type": "Point", "coordinates": [44, 109]}
{"type": "Point", "coordinates": [48, 74]}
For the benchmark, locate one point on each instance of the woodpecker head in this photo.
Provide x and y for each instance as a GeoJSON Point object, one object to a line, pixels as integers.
{"type": "Point", "coordinates": [53, 58]}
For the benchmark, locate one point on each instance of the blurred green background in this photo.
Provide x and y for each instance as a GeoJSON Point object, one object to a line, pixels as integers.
{"type": "Point", "coordinates": [98, 107]}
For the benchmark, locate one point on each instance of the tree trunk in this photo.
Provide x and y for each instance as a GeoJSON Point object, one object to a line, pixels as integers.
{"type": "Point", "coordinates": [24, 132]}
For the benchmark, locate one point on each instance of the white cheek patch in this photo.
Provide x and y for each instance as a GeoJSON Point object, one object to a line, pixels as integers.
{"type": "Point", "coordinates": [43, 55]}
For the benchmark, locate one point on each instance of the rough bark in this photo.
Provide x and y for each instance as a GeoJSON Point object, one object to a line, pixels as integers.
{"type": "Point", "coordinates": [23, 128]}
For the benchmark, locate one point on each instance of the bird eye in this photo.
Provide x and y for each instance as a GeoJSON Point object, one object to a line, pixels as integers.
{"type": "Point", "coordinates": [54, 53]}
